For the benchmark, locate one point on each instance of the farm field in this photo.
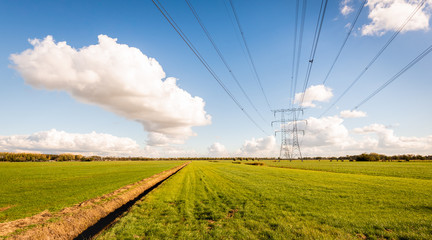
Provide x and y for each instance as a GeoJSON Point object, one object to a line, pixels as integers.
{"type": "Point", "coordinates": [29, 188]}
{"type": "Point", "coordinates": [420, 169]}
{"type": "Point", "coordinates": [215, 200]}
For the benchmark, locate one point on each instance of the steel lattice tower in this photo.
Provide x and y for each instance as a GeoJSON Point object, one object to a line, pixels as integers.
{"type": "Point", "coordinates": [290, 146]}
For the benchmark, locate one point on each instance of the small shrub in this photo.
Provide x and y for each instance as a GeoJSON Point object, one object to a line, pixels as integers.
{"type": "Point", "coordinates": [255, 163]}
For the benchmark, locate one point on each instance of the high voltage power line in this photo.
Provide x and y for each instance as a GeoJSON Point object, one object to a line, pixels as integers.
{"type": "Point", "coordinates": [222, 57]}
{"type": "Point", "coordinates": [290, 127]}
{"type": "Point", "coordinates": [376, 56]}
{"type": "Point", "coordinates": [299, 48]}
{"type": "Point", "coordinates": [239, 41]}
{"type": "Point", "coordinates": [345, 41]}
{"type": "Point", "coordinates": [404, 69]}
{"type": "Point", "coordinates": [294, 50]}
{"type": "Point", "coordinates": [314, 46]}
{"type": "Point", "coordinates": [249, 54]}
{"type": "Point", "coordinates": [183, 36]}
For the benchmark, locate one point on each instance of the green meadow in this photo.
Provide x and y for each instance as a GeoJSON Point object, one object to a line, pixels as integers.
{"type": "Point", "coordinates": [221, 200]}
{"type": "Point", "coordinates": [28, 188]}
{"type": "Point", "coordinates": [420, 169]}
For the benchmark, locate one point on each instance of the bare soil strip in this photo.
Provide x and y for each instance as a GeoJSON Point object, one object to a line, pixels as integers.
{"type": "Point", "coordinates": [93, 214]}
{"type": "Point", "coordinates": [5, 208]}
{"type": "Point", "coordinates": [108, 221]}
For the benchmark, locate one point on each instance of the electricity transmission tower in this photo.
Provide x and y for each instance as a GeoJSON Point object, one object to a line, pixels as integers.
{"type": "Point", "coordinates": [290, 146]}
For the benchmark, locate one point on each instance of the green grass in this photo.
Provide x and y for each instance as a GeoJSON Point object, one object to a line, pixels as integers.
{"type": "Point", "coordinates": [236, 201]}
{"type": "Point", "coordinates": [29, 188]}
{"type": "Point", "coordinates": [420, 169]}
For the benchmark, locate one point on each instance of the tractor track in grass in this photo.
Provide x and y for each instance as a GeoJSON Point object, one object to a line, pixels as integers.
{"type": "Point", "coordinates": [87, 219]}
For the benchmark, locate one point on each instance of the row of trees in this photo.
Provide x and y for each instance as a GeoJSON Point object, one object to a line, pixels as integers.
{"type": "Point", "coordinates": [37, 157]}
{"type": "Point", "coordinates": [375, 157]}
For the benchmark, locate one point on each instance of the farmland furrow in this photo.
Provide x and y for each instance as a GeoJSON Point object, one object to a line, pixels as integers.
{"type": "Point", "coordinates": [88, 218]}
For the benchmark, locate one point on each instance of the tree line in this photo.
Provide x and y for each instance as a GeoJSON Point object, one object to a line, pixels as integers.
{"type": "Point", "coordinates": [40, 157]}
{"type": "Point", "coordinates": [375, 157]}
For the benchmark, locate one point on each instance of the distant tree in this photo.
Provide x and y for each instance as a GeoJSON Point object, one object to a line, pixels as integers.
{"type": "Point", "coordinates": [364, 157]}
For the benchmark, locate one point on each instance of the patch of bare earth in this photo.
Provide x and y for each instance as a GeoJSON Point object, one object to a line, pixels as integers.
{"type": "Point", "coordinates": [5, 208]}
{"type": "Point", "coordinates": [71, 221]}
{"type": "Point", "coordinates": [231, 213]}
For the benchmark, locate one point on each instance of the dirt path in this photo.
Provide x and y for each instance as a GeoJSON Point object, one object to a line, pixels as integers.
{"type": "Point", "coordinates": [70, 222]}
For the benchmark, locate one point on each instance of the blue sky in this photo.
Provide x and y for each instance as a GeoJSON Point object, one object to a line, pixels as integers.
{"type": "Point", "coordinates": [44, 116]}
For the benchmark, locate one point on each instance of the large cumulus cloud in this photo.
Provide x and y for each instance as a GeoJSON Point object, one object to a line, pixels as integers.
{"type": "Point", "coordinates": [118, 78]}
{"type": "Point", "coordinates": [54, 141]}
{"type": "Point", "coordinates": [328, 136]}
{"type": "Point", "coordinates": [388, 140]}
{"type": "Point", "coordinates": [389, 15]}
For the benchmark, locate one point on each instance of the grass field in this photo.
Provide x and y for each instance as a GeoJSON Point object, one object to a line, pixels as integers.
{"type": "Point", "coordinates": [29, 188]}
{"type": "Point", "coordinates": [420, 169]}
{"type": "Point", "coordinates": [221, 200]}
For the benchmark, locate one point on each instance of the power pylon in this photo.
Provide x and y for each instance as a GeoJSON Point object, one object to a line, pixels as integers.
{"type": "Point", "coordinates": [290, 146]}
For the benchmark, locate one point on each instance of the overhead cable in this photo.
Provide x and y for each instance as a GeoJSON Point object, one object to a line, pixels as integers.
{"type": "Point", "coordinates": [183, 36]}
{"type": "Point", "coordinates": [299, 48]}
{"type": "Point", "coordinates": [222, 57]}
{"type": "Point", "coordinates": [404, 69]}
{"type": "Point", "coordinates": [294, 50]}
{"type": "Point", "coordinates": [376, 56]}
{"type": "Point", "coordinates": [314, 46]}
{"type": "Point", "coordinates": [346, 39]}
{"type": "Point", "coordinates": [249, 54]}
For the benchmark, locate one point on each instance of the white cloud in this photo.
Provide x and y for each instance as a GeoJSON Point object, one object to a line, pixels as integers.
{"type": "Point", "coordinates": [217, 149]}
{"type": "Point", "coordinates": [54, 141]}
{"type": "Point", "coordinates": [328, 136]}
{"type": "Point", "coordinates": [118, 78]}
{"type": "Point", "coordinates": [345, 8]}
{"type": "Point", "coordinates": [388, 140]}
{"type": "Point", "coordinates": [389, 15]}
{"type": "Point", "coordinates": [259, 147]}
{"type": "Point", "coordinates": [166, 151]}
{"type": "Point", "coordinates": [160, 139]}
{"type": "Point", "coordinates": [319, 93]}
{"type": "Point", "coordinates": [352, 114]}
{"type": "Point", "coordinates": [327, 131]}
